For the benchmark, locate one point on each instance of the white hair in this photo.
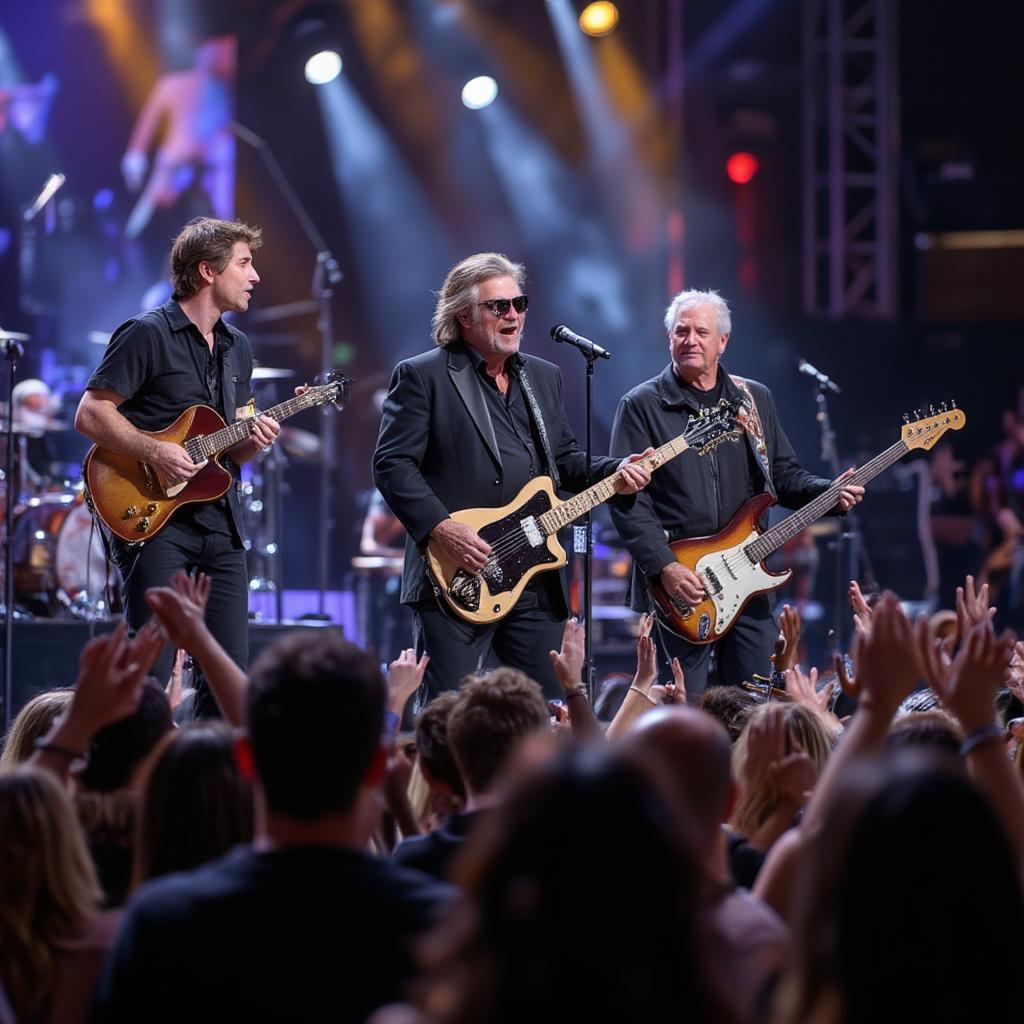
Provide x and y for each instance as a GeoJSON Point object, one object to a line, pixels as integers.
{"type": "Point", "coordinates": [692, 298]}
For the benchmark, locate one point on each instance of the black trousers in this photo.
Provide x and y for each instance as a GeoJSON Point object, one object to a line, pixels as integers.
{"type": "Point", "coordinates": [458, 648]}
{"type": "Point", "coordinates": [747, 648]}
{"type": "Point", "coordinates": [190, 547]}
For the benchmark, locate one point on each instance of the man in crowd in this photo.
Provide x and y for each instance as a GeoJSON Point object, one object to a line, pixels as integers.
{"type": "Point", "coordinates": [694, 497]}
{"type": "Point", "coordinates": [156, 366]}
{"type": "Point", "coordinates": [304, 923]}
{"type": "Point", "coordinates": [467, 425]}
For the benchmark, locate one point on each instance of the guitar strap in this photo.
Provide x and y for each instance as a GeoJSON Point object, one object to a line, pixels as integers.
{"type": "Point", "coordinates": [755, 429]}
{"type": "Point", "coordinates": [538, 419]}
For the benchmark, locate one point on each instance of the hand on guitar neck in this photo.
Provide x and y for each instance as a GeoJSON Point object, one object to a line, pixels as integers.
{"type": "Point", "coordinates": [461, 544]}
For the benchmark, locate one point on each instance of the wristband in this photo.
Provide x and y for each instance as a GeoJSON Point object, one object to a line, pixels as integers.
{"type": "Point", "coordinates": [977, 737]}
{"type": "Point", "coordinates": [646, 696]}
{"type": "Point", "coordinates": [575, 691]}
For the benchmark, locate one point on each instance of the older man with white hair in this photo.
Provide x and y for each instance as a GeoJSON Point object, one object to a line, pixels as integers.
{"type": "Point", "coordinates": [696, 497]}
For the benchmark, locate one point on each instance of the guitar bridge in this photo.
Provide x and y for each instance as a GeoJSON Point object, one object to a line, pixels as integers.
{"type": "Point", "coordinates": [465, 590]}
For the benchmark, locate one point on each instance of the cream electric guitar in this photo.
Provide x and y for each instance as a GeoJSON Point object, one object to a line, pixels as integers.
{"type": "Point", "coordinates": [523, 534]}
{"type": "Point", "coordinates": [730, 563]}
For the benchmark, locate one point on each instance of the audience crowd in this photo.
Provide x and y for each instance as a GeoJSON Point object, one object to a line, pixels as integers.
{"type": "Point", "coordinates": [844, 846]}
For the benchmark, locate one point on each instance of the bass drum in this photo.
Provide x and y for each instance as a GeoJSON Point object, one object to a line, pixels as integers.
{"type": "Point", "coordinates": [58, 557]}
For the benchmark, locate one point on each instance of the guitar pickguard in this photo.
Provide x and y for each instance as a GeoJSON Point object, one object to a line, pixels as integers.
{"type": "Point", "coordinates": [517, 546]}
{"type": "Point", "coordinates": [731, 579]}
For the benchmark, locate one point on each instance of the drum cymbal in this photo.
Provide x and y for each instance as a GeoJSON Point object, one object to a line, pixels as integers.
{"type": "Point", "coordinates": [300, 444]}
{"type": "Point", "coordinates": [271, 373]}
{"type": "Point", "coordinates": [12, 336]}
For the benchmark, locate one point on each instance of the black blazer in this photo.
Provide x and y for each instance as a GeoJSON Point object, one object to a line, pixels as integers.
{"type": "Point", "coordinates": [436, 452]}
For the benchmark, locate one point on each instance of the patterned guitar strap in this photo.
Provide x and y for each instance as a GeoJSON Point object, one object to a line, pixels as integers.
{"type": "Point", "coordinates": [754, 428]}
{"type": "Point", "coordinates": [538, 419]}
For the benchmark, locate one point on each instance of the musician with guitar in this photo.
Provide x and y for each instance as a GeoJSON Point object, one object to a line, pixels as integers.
{"type": "Point", "coordinates": [473, 423]}
{"type": "Point", "coordinates": [156, 367]}
{"type": "Point", "coordinates": [698, 497]}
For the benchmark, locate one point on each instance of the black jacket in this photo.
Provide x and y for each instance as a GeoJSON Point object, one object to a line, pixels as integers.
{"type": "Point", "coordinates": [436, 451]}
{"type": "Point", "coordinates": [688, 497]}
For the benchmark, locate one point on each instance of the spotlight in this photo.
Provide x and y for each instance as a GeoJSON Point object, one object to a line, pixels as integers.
{"type": "Point", "coordinates": [323, 67]}
{"type": "Point", "coordinates": [598, 19]}
{"type": "Point", "coordinates": [741, 167]}
{"type": "Point", "coordinates": [479, 92]}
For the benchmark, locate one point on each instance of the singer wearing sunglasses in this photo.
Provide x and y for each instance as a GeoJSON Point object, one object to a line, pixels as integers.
{"type": "Point", "coordinates": [468, 425]}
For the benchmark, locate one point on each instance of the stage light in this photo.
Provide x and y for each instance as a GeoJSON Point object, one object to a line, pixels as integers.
{"type": "Point", "coordinates": [741, 167]}
{"type": "Point", "coordinates": [323, 67]}
{"type": "Point", "coordinates": [479, 92]}
{"type": "Point", "coordinates": [598, 19]}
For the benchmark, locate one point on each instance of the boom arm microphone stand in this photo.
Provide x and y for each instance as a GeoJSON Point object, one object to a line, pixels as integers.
{"type": "Point", "coordinates": [326, 275]}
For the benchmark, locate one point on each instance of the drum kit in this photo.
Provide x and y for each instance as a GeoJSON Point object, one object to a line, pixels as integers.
{"type": "Point", "coordinates": [60, 569]}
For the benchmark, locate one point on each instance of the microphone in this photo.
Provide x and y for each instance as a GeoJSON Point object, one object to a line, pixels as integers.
{"type": "Point", "coordinates": [823, 380]}
{"type": "Point", "coordinates": [591, 349]}
{"type": "Point", "coordinates": [49, 190]}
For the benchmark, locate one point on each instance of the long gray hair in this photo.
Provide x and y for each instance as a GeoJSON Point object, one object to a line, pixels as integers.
{"type": "Point", "coordinates": [459, 291]}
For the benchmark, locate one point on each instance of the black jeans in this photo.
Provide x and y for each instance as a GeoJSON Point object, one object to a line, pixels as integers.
{"type": "Point", "coordinates": [189, 547]}
{"type": "Point", "coordinates": [458, 648]}
{"type": "Point", "coordinates": [747, 648]}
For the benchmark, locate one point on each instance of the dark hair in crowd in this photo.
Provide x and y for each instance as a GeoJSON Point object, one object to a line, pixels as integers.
{"type": "Point", "coordinates": [582, 855]}
{"type": "Point", "coordinates": [491, 714]}
{"type": "Point", "coordinates": [315, 713]}
{"type": "Point", "coordinates": [205, 239]}
{"type": "Point", "coordinates": [119, 748]}
{"type": "Point", "coordinates": [195, 805]}
{"type": "Point", "coordinates": [432, 746]}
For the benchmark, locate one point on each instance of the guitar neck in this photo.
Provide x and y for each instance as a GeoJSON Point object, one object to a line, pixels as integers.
{"type": "Point", "coordinates": [569, 511]}
{"type": "Point", "coordinates": [782, 532]}
{"type": "Point", "coordinates": [210, 445]}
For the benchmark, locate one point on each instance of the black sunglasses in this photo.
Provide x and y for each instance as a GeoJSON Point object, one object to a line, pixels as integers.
{"type": "Point", "coordinates": [499, 307]}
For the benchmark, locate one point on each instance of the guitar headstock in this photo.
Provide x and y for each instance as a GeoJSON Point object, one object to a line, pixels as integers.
{"type": "Point", "coordinates": [712, 426]}
{"type": "Point", "coordinates": [925, 431]}
{"type": "Point", "coordinates": [331, 386]}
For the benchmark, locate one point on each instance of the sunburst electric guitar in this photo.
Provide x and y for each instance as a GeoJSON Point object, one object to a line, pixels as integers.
{"type": "Point", "coordinates": [730, 563]}
{"type": "Point", "coordinates": [134, 502]}
{"type": "Point", "coordinates": [523, 534]}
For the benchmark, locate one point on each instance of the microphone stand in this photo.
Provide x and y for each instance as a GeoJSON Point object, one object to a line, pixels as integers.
{"type": "Point", "coordinates": [326, 275]}
{"type": "Point", "coordinates": [12, 352]}
{"type": "Point", "coordinates": [852, 536]}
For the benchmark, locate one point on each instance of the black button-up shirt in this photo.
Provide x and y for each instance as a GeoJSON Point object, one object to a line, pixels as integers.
{"type": "Point", "coordinates": [518, 447]}
{"type": "Point", "coordinates": [161, 364]}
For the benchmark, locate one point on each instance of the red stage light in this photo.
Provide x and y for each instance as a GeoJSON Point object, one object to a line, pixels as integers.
{"type": "Point", "coordinates": [741, 167]}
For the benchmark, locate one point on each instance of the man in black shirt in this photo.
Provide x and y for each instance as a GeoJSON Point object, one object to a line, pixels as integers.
{"type": "Point", "coordinates": [467, 425]}
{"type": "Point", "coordinates": [695, 497]}
{"type": "Point", "coordinates": [156, 366]}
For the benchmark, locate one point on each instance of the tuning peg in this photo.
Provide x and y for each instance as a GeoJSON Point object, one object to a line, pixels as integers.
{"type": "Point", "coordinates": [952, 403]}
{"type": "Point", "coordinates": [906, 417]}
{"type": "Point", "coordinates": [931, 410]}
{"type": "Point", "coordinates": [943, 407]}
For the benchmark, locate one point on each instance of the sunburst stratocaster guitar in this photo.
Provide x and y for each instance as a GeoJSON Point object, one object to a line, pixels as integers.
{"type": "Point", "coordinates": [523, 534]}
{"type": "Point", "coordinates": [129, 495]}
{"type": "Point", "coordinates": [730, 563]}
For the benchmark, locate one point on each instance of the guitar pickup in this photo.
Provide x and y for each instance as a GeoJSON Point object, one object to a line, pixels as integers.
{"type": "Point", "coordinates": [465, 590]}
{"type": "Point", "coordinates": [532, 531]}
{"type": "Point", "coordinates": [711, 583]}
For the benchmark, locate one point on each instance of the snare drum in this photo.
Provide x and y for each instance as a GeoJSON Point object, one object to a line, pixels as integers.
{"type": "Point", "coordinates": [58, 555]}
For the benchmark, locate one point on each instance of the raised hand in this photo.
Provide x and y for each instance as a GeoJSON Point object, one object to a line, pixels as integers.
{"type": "Point", "coordinates": [886, 658]}
{"type": "Point", "coordinates": [646, 663]}
{"type": "Point", "coordinates": [405, 674]}
{"type": "Point", "coordinates": [861, 611]}
{"type": "Point", "coordinates": [972, 606]}
{"type": "Point", "coordinates": [968, 685]}
{"type": "Point", "coordinates": [568, 662]}
{"type": "Point", "coordinates": [181, 608]}
{"type": "Point", "coordinates": [676, 690]}
{"type": "Point", "coordinates": [789, 630]}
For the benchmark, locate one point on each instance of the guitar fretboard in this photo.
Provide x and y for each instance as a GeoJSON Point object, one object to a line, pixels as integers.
{"type": "Point", "coordinates": [571, 510]}
{"type": "Point", "coordinates": [207, 446]}
{"type": "Point", "coordinates": [772, 539]}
